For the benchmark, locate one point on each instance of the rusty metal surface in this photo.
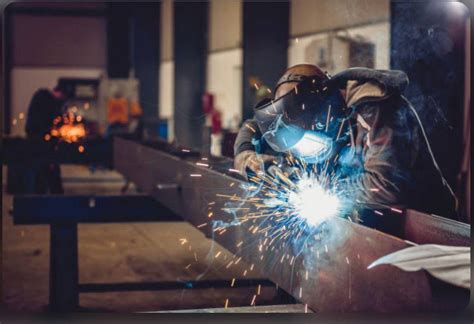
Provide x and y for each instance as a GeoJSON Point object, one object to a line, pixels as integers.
{"type": "Point", "coordinates": [426, 229]}
{"type": "Point", "coordinates": [331, 275]}
{"type": "Point", "coordinates": [291, 308]}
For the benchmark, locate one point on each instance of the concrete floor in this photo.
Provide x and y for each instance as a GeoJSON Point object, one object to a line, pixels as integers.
{"type": "Point", "coordinates": [119, 253]}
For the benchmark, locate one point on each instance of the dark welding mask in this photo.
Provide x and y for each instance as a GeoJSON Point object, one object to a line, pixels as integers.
{"type": "Point", "coordinates": [304, 122]}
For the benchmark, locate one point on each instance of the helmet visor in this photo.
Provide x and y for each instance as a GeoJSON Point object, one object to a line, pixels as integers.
{"type": "Point", "coordinates": [304, 121]}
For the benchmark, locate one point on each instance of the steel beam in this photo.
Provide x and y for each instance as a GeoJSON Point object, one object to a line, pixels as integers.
{"type": "Point", "coordinates": [290, 308]}
{"type": "Point", "coordinates": [60, 209]}
{"type": "Point", "coordinates": [64, 268]}
{"type": "Point", "coordinates": [21, 151]}
{"type": "Point", "coordinates": [330, 275]}
{"type": "Point", "coordinates": [428, 229]}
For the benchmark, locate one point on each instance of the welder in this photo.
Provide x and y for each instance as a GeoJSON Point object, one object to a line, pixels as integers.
{"type": "Point", "coordinates": [44, 176]}
{"type": "Point", "coordinates": [359, 116]}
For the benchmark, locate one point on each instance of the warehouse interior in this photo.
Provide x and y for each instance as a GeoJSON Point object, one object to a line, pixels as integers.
{"type": "Point", "coordinates": [153, 97]}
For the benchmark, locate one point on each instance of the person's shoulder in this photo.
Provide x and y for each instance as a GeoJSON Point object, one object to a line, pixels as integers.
{"type": "Point", "coordinates": [43, 93]}
{"type": "Point", "coordinates": [392, 80]}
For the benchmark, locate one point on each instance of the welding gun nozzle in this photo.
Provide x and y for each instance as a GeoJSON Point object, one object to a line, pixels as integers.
{"type": "Point", "coordinates": [278, 173]}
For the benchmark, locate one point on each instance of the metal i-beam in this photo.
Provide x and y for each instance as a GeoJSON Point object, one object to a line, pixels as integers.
{"type": "Point", "coordinates": [330, 275]}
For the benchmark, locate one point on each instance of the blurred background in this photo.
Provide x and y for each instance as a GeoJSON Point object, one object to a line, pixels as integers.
{"type": "Point", "coordinates": [97, 49]}
{"type": "Point", "coordinates": [191, 72]}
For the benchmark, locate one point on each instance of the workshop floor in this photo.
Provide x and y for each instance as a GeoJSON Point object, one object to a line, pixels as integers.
{"type": "Point", "coordinates": [109, 253]}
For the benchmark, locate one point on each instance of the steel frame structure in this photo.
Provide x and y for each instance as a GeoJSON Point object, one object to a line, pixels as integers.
{"type": "Point", "coordinates": [330, 277]}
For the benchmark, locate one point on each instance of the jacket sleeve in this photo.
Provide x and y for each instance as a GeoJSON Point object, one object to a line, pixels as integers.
{"type": "Point", "coordinates": [376, 184]}
{"type": "Point", "coordinates": [388, 150]}
{"type": "Point", "coordinates": [247, 133]}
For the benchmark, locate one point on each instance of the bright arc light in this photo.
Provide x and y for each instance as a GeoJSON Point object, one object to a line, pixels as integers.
{"type": "Point", "coordinates": [312, 203]}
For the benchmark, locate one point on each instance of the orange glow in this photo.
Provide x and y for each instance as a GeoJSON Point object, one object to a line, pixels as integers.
{"type": "Point", "coordinates": [71, 133]}
{"type": "Point", "coordinates": [47, 137]}
{"type": "Point", "coordinates": [81, 149]}
{"type": "Point", "coordinates": [87, 105]}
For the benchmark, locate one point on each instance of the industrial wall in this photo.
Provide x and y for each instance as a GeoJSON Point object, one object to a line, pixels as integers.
{"type": "Point", "coordinates": [166, 81]}
{"type": "Point", "coordinates": [224, 63]}
{"type": "Point", "coordinates": [40, 61]}
{"type": "Point", "coordinates": [368, 19]}
{"type": "Point", "coordinates": [309, 17]}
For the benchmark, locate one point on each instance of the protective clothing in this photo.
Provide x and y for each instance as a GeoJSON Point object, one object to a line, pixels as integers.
{"type": "Point", "coordinates": [42, 110]}
{"type": "Point", "coordinates": [250, 160]}
{"type": "Point", "coordinates": [304, 121]}
{"type": "Point", "coordinates": [42, 176]}
{"type": "Point", "coordinates": [385, 163]}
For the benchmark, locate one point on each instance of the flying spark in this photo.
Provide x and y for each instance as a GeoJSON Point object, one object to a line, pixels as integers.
{"type": "Point", "coordinates": [253, 300]}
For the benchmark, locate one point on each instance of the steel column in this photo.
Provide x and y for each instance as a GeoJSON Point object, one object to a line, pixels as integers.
{"type": "Point", "coordinates": [265, 46]}
{"type": "Point", "coordinates": [63, 274]}
{"type": "Point", "coordinates": [190, 54]}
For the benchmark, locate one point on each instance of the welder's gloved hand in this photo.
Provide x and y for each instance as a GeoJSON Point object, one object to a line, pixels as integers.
{"type": "Point", "coordinates": [274, 171]}
{"type": "Point", "coordinates": [250, 161]}
{"type": "Point", "coordinates": [291, 172]}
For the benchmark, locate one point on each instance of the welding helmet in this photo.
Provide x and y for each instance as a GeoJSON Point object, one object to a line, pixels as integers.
{"type": "Point", "coordinates": [306, 120]}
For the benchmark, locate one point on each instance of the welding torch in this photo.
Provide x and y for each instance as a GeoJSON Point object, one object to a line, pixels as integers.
{"type": "Point", "coordinates": [278, 173]}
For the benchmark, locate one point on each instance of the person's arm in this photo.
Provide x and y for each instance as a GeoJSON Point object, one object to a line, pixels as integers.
{"type": "Point", "coordinates": [248, 132]}
{"type": "Point", "coordinates": [387, 157]}
{"type": "Point", "coordinates": [246, 157]}
{"type": "Point", "coordinates": [379, 183]}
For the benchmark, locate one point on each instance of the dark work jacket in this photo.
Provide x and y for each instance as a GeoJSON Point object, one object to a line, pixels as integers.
{"type": "Point", "coordinates": [43, 108]}
{"type": "Point", "coordinates": [44, 174]}
{"type": "Point", "coordinates": [386, 162]}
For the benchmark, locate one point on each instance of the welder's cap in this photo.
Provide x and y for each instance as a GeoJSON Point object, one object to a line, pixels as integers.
{"type": "Point", "coordinates": [304, 121]}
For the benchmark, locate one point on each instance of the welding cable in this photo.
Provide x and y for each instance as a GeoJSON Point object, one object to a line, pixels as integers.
{"type": "Point", "coordinates": [435, 163]}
